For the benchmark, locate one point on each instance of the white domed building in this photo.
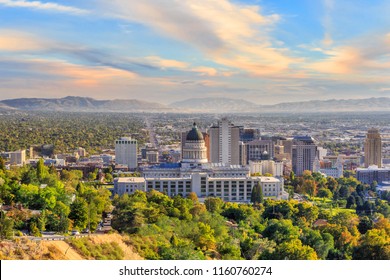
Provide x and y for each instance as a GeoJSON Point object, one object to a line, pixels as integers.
{"type": "Point", "coordinates": [196, 174]}
{"type": "Point", "coordinates": [194, 150]}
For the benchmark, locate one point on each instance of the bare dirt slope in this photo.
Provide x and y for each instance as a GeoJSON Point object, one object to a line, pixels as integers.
{"type": "Point", "coordinates": [68, 252]}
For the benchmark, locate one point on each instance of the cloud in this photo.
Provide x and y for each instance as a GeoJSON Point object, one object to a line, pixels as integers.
{"type": "Point", "coordinates": [364, 55]}
{"type": "Point", "coordinates": [166, 63]}
{"type": "Point", "coordinates": [46, 6]}
{"type": "Point", "coordinates": [230, 34]}
{"type": "Point", "coordinates": [16, 41]}
{"type": "Point", "coordinates": [327, 22]}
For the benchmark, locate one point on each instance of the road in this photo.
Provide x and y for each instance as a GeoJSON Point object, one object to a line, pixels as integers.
{"type": "Point", "coordinates": [152, 134]}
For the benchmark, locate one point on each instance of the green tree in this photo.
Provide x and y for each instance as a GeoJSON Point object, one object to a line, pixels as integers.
{"type": "Point", "coordinates": [351, 202]}
{"type": "Point", "coordinates": [257, 194]}
{"type": "Point", "coordinates": [79, 213]}
{"type": "Point", "coordinates": [375, 245]}
{"type": "Point", "coordinates": [281, 231]}
{"type": "Point", "coordinates": [214, 204]}
{"type": "Point", "coordinates": [42, 171]}
{"type": "Point", "coordinates": [6, 226]}
{"type": "Point", "coordinates": [365, 224]}
{"type": "Point", "coordinates": [324, 193]}
{"type": "Point", "coordinates": [291, 250]}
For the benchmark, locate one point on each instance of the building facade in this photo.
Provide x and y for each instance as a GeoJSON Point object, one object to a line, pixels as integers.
{"type": "Point", "coordinates": [224, 142]}
{"type": "Point", "coordinates": [304, 152]}
{"type": "Point", "coordinates": [373, 173]}
{"type": "Point", "coordinates": [195, 174]}
{"type": "Point", "coordinates": [373, 148]}
{"type": "Point", "coordinates": [126, 152]}
{"type": "Point", "coordinates": [17, 157]}
{"type": "Point", "coordinates": [259, 150]}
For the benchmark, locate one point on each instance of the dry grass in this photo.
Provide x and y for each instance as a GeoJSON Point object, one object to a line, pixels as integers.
{"type": "Point", "coordinates": [107, 246]}
{"type": "Point", "coordinates": [129, 254]}
{"type": "Point", "coordinates": [24, 249]}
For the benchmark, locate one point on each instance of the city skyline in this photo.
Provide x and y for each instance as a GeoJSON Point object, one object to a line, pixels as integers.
{"type": "Point", "coordinates": [264, 51]}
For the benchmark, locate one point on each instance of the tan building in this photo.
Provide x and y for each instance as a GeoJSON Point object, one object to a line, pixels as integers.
{"type": "Point", "coordinates": [18, 157]}
{"type": "Point", "coordinates": [224, 143]}
{"type": "Point", "coordinates": [373, 148]}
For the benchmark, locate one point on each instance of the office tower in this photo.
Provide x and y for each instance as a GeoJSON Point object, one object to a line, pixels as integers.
{"type": "Point", "coordinates": [304, 152]}
{"type": "Point", "coordinates": [18, 157]}
{"type": "Point", "coordinates": [242, 150]}
{"type": "Point", "coordinates": [126, 152]}
{"type": "Point", "coordinates": [373, 148]}
{"type": "Point", "coordinates": [259, 150]}
{"type": "Point", "coordinates": [224, 143]}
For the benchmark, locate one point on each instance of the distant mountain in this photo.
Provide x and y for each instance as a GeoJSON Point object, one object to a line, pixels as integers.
{"type": "Point", "coordinates": [333, 105]}
{"type": "Point", "coordinates": [214, 105]}
{"type": "Point", "coordinates": [226, 105]}
{"type": "Point", "coordinates": [193, 105]}
{"type": "Point", "coordinates": [83, 104]}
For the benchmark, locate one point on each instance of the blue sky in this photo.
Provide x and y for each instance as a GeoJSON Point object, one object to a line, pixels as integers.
{"type": "Point", "coordinates": [265, 51]}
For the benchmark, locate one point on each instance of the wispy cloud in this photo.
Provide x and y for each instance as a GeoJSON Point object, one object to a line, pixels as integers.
{"type": "Point", "coordinates": [327, 22]}
{"type": "Point", "coordinates": [363, 55]}
{"type": "Point", "coordinates": [230, 34]}
{"type": "Point", "coordinates": [46, 6]}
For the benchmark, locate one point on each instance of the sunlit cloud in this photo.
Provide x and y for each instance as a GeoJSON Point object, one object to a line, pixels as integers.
{"type": "Point", "coordinates": [45, 6]}
{"type": "Point", "coordinates": [230, 34]}
{"type": "Point", "coordinates": [15, 41]}
{"type": "Point", "coordinates": [166, 63]}
{"type": "Point", "coordinates": [361, 56]}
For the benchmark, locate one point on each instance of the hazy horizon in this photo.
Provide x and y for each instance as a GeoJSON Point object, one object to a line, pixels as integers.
{"type": "Point", "coordinates": [266, 52]}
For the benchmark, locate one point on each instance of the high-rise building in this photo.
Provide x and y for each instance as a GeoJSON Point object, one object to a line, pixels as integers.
{"type": "Point", "coordinates": [126, 152]}
{"type": "Point", "coordinates": [304, 152]}
{"type": "Point", "coordinates": [18, 157]}
{"type": "Point", "coordinates": [224, 143]}
{"type": "Point", "coordinates": [373, 148]}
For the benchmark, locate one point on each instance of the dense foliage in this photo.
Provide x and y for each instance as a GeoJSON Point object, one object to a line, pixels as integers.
{"type": "Point", "coordinates": [41, 199]}
{"type": "Point", "coordinates": [161, 227]}
{"type": "Point", "coordinates": [64, 131]}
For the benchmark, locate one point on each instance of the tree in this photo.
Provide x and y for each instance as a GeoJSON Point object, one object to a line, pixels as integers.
{"type": "Point", "coordinates": [310, 187]}
{"type": "Point", "coordinates": [365, 224]}
{"type": "Point", "coordinates": [214, 204]}
{"type": "Point", "coordinates": [42, 171]}
{"type": "Point", "coordinates": [350, 202]}
{"type": "Point", "coordinates": [281, 231]}
{"type": "Point", "coordinates": [257, 194]}
{"type": "Point", "coordinates": [324, 193]}
{"type": "Point", "coordinates": [291, 250]}
{"type": "Point", "coordinates": [79, 213]}
{"type": "Point", "coordinates": [6, 226]}
{"type": "Point", "coordinates": [375, 245]}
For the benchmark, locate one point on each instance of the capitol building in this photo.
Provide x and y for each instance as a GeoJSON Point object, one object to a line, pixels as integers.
{"type": "Point", "coordinates": [195, 174]}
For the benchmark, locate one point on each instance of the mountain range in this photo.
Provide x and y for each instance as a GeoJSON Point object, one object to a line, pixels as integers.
{"type": "Point", "coordinates": [193, 105]}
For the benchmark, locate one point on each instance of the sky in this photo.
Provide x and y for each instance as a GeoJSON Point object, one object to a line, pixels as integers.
{"type": "Point", "coordinates": [264, 51]}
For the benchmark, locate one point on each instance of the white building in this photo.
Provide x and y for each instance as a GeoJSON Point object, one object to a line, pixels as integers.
{"type": "Point", "coordinates": [373, 173]}
{"type": "Point", "coordinates": [266, 166]}
{"type": "Point", "coordinates": [224, 142]}
{"type": "Point", "coordinates": [195, 174]}
{"type": "Point", "coordinates": [126, 152]}
{"type": "Point", "coordinates": [129, 185]}
{"type": "Point", "coordinates": [335, 171]}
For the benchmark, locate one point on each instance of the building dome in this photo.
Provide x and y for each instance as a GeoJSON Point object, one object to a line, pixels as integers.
{"type": "Point", "coordinates": [194, 134]}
